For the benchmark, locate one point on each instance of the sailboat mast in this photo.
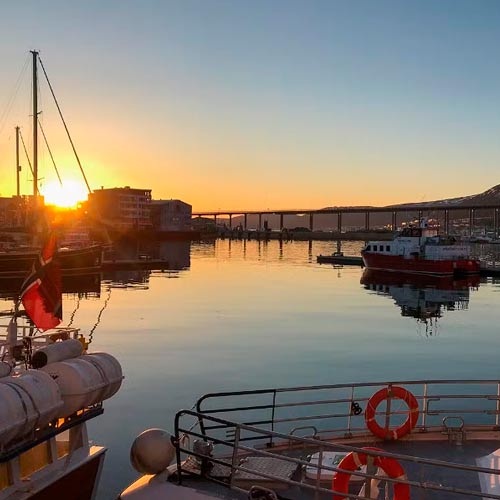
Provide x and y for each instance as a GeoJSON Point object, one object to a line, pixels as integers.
{"type": "Point", "coordinates": [35, 124]}
{"type": "Point", "coordinates": [18, 167]}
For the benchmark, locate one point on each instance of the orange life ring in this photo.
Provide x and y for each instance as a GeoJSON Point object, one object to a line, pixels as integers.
{"type": "Point", "coordinates": [392, 392]}
{"type": "Point", "coordinates": [354, 461]}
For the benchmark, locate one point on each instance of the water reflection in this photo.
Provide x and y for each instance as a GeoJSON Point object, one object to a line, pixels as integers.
{"type": "Point", "coordinates": [424, 298]}
{"type": "Point", "coordinates": [81, 285]}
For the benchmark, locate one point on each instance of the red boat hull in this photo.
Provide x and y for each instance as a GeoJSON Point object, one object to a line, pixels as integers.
{"type": "Point", "coordinates": [417, 265]}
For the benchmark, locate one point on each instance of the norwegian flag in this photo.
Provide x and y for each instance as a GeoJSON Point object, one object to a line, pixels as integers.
{"type": "Point", "coordinates": [41, 292]}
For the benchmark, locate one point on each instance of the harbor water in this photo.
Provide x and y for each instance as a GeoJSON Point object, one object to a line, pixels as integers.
{"type": "Point", "coordinates": [236, 315]}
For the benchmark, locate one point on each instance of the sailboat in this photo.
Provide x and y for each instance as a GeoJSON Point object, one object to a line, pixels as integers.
{"type": "Point", "coordinates": [17, 261]}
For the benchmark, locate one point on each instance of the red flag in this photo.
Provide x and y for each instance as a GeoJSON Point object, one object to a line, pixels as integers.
{"type": "Point", "coordinates": [41, 292]}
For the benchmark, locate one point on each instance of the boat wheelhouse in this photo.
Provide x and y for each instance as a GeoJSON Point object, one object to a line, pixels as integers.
{"type": "Point", "coordinates": [420, 250]}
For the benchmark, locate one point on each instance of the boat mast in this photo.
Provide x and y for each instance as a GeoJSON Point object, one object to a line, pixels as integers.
{"type": "Point", "coordinates": [18, 167]}
{"type": "Point", "coordinates": [35, 124]}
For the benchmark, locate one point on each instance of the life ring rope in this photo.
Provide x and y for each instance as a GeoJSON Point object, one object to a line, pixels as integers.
{"type": "Point", "coordinates": [392, 392]}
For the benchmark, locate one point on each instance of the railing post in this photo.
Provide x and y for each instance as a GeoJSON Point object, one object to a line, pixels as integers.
{"type": "Point", "coordinates": [260, 222]}
{"type": "Point", "coordinates": [424, 407]}
{"type": "Point", "coordinates": [496, 223]}
{"type": "Point", "coordinates": [245, 221]}
{"type": "Point", "coordinates": [367, 220]}
{"type": "Point", "coordinates": [471, 220]}
{"type": "Point", "coordinates": [270, 445]}
{"type": "Point", "coordinates": [234, 458]}
{"type": "Point", "coordinates": [497, 416]}
{"type": "Point", "coordinates": [281, 222]}
{"type": "Point", "coordinates": [339, 222]}
{"type": "Point", "coordinates": [311, 222]}
{"type": "Point", "coordinates": [230, 221]}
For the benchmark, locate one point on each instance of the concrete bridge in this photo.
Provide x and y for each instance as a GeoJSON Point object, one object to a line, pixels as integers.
{"type": "Point", "coordinates": [395, 211]}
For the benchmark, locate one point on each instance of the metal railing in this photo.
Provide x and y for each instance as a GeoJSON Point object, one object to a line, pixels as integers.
{"type": "Point", "coordinates": [474, 404]}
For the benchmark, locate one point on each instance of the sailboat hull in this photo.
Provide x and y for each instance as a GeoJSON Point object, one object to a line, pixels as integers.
{"type": "Point", "coordinates": [72, 261]}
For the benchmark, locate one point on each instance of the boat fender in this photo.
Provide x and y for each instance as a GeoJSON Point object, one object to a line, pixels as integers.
{"type": "Point", "coordinates": [58, 351]}
{"type": "Point", "coordinates": [394, 392]}
{"type": "Point", "coordinates": [5, 369]}
{"type": "Point", "coordinates": [152, 451]}
{"type": "Point", "coordinates": [354, 461]}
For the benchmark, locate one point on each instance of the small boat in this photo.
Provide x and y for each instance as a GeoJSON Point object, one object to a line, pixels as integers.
{"type": "Point", "coordinates": [340, 258]}
{"type": "Point", "coordinates": [420, 250]}
{"type": "Point", "coordinates": [429, 439]}
{"type": "Point", "coordinates": [73, 261]}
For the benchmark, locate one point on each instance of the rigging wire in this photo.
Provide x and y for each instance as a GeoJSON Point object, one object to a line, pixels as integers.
{"type": "Point", "coordinates": [12, 98]}
{"type": "Point", "coordinates": [26, 153]}
{"type": "Point", "coordinates": [50, 152]}
{"type": "Point", "coordinates": [65, 126]}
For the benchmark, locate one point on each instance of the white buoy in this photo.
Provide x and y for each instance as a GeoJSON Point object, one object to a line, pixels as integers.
{"type": "Point", "coordinates": [58, 351]}
{"type": "Point", "coordinates": [152, 451]}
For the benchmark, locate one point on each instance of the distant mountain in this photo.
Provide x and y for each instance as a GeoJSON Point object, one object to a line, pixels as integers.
{"type": "Point", "coordinates": [489, 197]}
{"type": "Point", "coordinates": [329, 222]}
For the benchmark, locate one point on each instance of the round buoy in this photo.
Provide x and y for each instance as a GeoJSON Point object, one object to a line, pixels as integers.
{"type": "Point", "coordinates": [152, 451]}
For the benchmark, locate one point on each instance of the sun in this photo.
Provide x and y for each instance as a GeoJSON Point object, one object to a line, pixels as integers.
{"type": "Point", "coordinates": [66, 196]}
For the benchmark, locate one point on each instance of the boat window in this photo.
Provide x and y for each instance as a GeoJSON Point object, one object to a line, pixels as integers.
{"type": "Point", "coordinates": [368, 248]}
{"type": "Point", "coordinates": [35, 459]}
{"type": "Point", "coordinates": [387, 248]}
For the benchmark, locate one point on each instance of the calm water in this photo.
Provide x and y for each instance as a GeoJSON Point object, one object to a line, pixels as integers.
{"type": "Point", "coordinates": [244, 315]}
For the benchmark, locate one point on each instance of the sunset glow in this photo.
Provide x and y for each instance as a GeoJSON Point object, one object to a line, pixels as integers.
{"type": "Point", "coordinates": [66, 196]}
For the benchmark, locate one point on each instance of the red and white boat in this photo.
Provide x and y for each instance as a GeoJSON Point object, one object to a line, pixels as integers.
{"type": "Point", "coordinates": [420, 250]}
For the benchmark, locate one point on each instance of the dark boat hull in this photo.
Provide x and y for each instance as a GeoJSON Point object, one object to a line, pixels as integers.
{"type": "Point", "coordinates": [79, 484]}
{"type": "Point", "coordinates": [74, 261]}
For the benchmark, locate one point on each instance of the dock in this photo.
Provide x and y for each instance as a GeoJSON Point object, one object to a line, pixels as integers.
{"type": "Point", "coordinates": [134, 264]}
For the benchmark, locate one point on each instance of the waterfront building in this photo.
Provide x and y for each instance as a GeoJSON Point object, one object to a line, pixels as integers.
{"type": "Point", "coordinates": [171, 215]}
{"type": "Point", "coordinates": [123, 209]}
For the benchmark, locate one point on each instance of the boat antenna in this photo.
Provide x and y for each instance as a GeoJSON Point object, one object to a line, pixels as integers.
{"type": "Point", "coordinates": [64, 123]}
{"type": "Point", "coordinates": [18, 167]}
{"type": "Point", "coordinates": [50, 152]}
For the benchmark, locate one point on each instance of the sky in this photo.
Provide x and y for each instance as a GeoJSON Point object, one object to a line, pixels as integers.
{"type": "Point", "coordinates": [260, 104]}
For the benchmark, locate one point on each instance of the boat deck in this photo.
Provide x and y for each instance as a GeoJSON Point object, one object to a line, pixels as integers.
{"type": "Point", "coordinates": [424, 474]}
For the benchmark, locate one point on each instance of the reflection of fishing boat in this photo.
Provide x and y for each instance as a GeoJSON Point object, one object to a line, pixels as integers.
{"type": "Point", "coordinates": [420, 250]}
{"type": "Point", "coordinates": [437, 440]}
{"type": "Point", "coordinates": [419, 296]}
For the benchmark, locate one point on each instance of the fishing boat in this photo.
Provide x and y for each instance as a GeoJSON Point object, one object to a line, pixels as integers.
{"type": "Point", "coordinates": [50, 387]}
{"type": "Point", "coordinates": [15, 260]}
{"type": "Point", "coordinates": [420, 250]}
{"type": "Point", "coordinates": [417, 439]}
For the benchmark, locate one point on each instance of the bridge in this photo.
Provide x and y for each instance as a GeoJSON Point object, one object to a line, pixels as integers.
{"type": "Point", "coordinates": [417, 209]}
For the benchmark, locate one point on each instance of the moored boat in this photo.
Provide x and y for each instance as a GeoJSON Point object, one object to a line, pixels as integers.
{"type": "Point", "coordinates": [420, 250]}
{"type": "Point", "coordinates": [430, 439]}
